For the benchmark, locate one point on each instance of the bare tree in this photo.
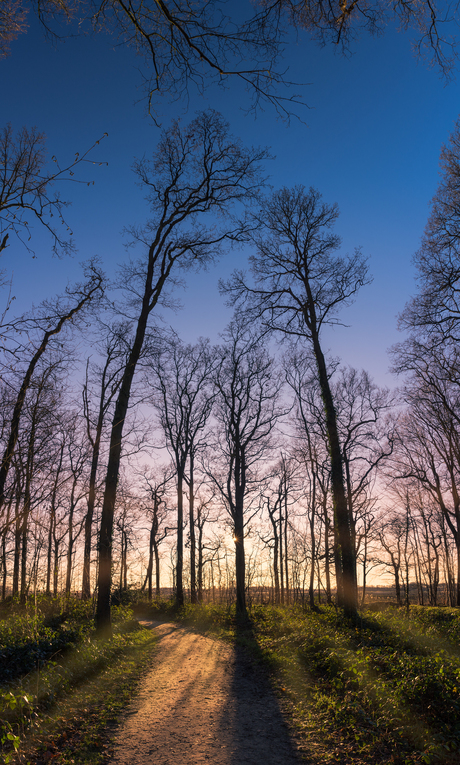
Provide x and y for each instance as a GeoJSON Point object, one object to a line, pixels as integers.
{"type": "Point", "coordinates": [339, 23]}
{"type": "Point", "coordinates": [393, 540]}
{"type": "Point", "coordinates": [26, 185]}
{"type": "Point", "coordinates": [246, 412]}
{"type": "Point", "coordinates": [429, 441]}
{"type": "Point", "coordinates": [183, 397]}
{"type": "Point", "coordinates": [311, 450]}
{"type": "Point", "coordinates": [53, 509]}
{"type": "Point", "coordinates": [201, 42]}
{"type": "Point", "coordinates": [158, 512]}
{"type": "Point", "coordinates": [299, 286]}
{"type": "Point", "coordinates": [78, 458]}
{"type": "Point", "coordinates": [206, 514]}
{"type": "Point", "coordinates": [367, 435]}
{"type": "Point", "coordinates": [196, 172]}
{"type": "Point", "coordinates": [108, 377]}
{"type": "Point", "coordinates": [13, 16]}
{"type": "Point", "coordinates": [433, 315]}
{"type": "Point", "coordinates": [181, 43]}
{"type": "Point", "coordinates": [48, 323]}
{"type": "Point", "coordinates": [279, 502]}
{"type": "Point", "coordinates": [33, 466]}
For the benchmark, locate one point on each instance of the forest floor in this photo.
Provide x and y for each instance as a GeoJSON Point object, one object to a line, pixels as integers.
{"type": "Point", "coordinates": [200, 685]}
{"type": "Point", "coordinates": [203, 700]}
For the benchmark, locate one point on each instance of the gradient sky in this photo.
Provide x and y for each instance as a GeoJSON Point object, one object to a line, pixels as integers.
{"type": "Point", "coordinates": [370, 141]}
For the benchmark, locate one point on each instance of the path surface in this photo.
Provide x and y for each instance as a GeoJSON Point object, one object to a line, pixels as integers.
{"type": "Point", "coordinates": [202, 702]}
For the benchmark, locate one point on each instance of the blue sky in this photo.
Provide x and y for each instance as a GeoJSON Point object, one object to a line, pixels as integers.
{"type": "Point", "coordinates": [370, 141]}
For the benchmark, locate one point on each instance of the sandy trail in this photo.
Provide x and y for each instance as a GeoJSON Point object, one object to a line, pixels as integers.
{"type": "Point", "coordinates": [202, 702]}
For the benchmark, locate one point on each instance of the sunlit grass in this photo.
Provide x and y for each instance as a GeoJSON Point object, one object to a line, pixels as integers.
{"type": "Point", "coordinates": [384, 689]}
{"type": "Point", "coordinates": [67, 702]}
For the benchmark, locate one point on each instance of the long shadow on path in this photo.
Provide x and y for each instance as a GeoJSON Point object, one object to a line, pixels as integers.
{"type": "Point", "coordinates": [252, 728]}
{"type": "Point", "coordinates": [203, 701]}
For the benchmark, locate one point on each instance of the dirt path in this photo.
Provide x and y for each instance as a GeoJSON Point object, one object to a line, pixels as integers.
{"type": "Point", "coordinates": [202, 702]}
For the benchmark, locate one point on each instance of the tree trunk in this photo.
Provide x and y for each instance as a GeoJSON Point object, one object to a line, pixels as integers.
{"type": "Point", "coordinates": [96, 446]}
{"type": "Point", "coordinates": [200, 525]}
{"type": "Point", "coordinates": [344, 554]}
{"type": "Point", "coordinates": [122, 558]}
{"type": "Point", "coordinates": [281, 550]}
{"type": "Point", "coordinates": [286, 558]}
{"type": "Point", "coordinates": [457, 545]}
{"type": "Point", "coordinates": [49, 555]}
{"type": "Point", "coordinates": [68, 578]}
{"type": "Point", "coordinates": [4, 567]}
{"type": "Point", "coordinates": [148, 577]}
{"type": "Point", "coordinates": [86, 578]}
{"type": "Point", "coordinates": [17, 546]}
{"type": "Point", "coordinates": [24, 536]}
{"type": "Point", "coordinates": [157, 568]}
{"type": "Point", "coordinates": [276, 575]}
{"type": "Point", "coordinates": [180, 540]}
{"type": "Point", "coordinates": [103, 615]}
{"type": "Point", "coordinates": [327, 555]}
{"type": "Point", "coordinates": [311, 586]}
{"type": "Point", "coordinates": [240, 564]}
{"type": "Point", "coordinates": [56, 566]}
{"type": "Point", "coordinates": [193, 594]}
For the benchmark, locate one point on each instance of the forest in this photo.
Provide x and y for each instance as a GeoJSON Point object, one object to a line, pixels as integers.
{"type": "Point", "coordinates": [255, 468]}
{"type": "Point", "coordinates": [259, 468]}
{"type": "Point", "coordinates": [256, 490]}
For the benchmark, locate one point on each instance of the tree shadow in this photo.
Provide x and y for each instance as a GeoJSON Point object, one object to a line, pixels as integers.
{"type": "Point", "coordinates": [252, 728]}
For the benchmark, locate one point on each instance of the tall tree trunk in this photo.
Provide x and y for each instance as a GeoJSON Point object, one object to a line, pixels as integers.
{"type": "Point", "coordinates": [286, 557]}
{"type": "Point", "coordinates": [70, 545]}
{"type": "Point", "coordinates": [96, 447]}
{"type": "Point", "coordinates": [26, 506]}
{"type": "Point", "coordinates": [157, 568]}
{"type": "Point", "coordinates": [86, 578]}
{"type": "Point", "coordinates": [276, 575]}
{"type": "Point", "coordinates": [311, 587]}
{"type": "Point", "coordinates": [281, 551]}
{"type": "Point", "coordinates": [199, 570]}
{"type": "Point", "coordinates": [52, 520]}
{"type": "Point", "coordinates": [191, 518]}
{"type": "Point", "coordinates": [180, 539]}
{"type": "Point", "coordinates": [327, 555]}
{"type": "Point", "coordinates": [49, 554]}
{"type": "Point", "coordinates": [457, 546]}
{"type": "Point", "coordinates": [103, 614]}
{"type": "Point", "coordinates": [125, 563]}
{"type": "Point", "coordinates": [56, 566]}
{"type": "Point", "coordinates": [17, 546]}
{"type": "Point", "coordinates": [148, 576]}
{"type": "Point", "coordinates": [344, 554]}
{"type": "Point", "coordinates": [4, 566]}
{"type": "Point", "coordinates": [240, 564]}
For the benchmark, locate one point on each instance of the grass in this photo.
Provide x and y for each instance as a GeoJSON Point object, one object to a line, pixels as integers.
{"type": "Point", "coordinates": [64, 705]}
{"type": "Point", "coordinates": [384, 689]}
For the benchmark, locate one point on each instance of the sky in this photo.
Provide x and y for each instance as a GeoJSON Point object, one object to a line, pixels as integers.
{"type": "Point", "coordinates": [369, 140]}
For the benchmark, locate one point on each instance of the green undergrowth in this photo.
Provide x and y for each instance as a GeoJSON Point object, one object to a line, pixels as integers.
{"type": "Point", "coordinates": [382, 689]}
{"type": "Point", "coordinates": [214, 619]}
{"type": "Point", "coordinates": [61, 689]}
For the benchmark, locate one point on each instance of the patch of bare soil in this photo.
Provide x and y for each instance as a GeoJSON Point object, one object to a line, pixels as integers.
{"type": "Point", "coordinates": [203, 702]}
